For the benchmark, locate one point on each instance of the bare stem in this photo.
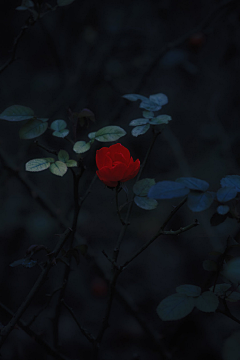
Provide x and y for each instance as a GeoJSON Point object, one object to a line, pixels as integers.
{"type": "Point", "coordinates": [41, 279]}
{"type": "Point", "coordinates": [83, 331]}
{"type": "Point", "coordinates": [161, 232]}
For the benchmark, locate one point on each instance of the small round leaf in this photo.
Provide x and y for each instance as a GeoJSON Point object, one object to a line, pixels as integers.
{"type": "Point", "coordinates": [81, 147]}
{"type": "Point", "coordinates": [207, 302]}
{"type": "Point", "coordinates": [175, 307]}
{"type": "Point", "coordinates": [58, 168]}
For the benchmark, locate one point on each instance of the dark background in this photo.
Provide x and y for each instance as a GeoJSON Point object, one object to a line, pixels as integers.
{"type": "Point", "coordinates": [87, 55]}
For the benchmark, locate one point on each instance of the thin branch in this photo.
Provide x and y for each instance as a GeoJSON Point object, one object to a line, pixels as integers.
{"type": "Point", "coordinates": [41, 279]}
{"type": "Point", "coordinates": [172, 213]}
{"type": "Point", "coordinates": [83, 331]}
{"type": "Point", "coordinates": [161, 232]}
{"type": "Point", "coordinates": [29, 22]}
{"type": "Point", "coordinates": [35, 316]}
{"type": "Point", "coordinates": [54, 152]}
{"type": "Point", "coordinates": [76, 179]}
{"type": "Point", "coordinates": [227, 312]}
{"type": "Point", "coordinates": [49, 349]}
{"type": "Point", "coordinates": [204, 24]}
{"type": "Point", "coordinates": [130, 206]}
{"type": "Point", "coordinates": [117, 190]}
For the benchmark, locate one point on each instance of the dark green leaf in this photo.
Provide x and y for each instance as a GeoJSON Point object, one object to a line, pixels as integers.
{"type": "Point", "coordinates": [207, 302]}
{"type": "Point", "coordinates": [81, 147]}
{"type": "Point", "coordinates": [32, 129]}
{"type": "Point", "coordinates": [140, 130]}
{"type": "Point", "coordinates": [145, 203]}
{"type": "Point", "coordinates": [160, 119]}
{"type": "Point", "coordinates": [225, 194]}
{"type": "Point", "coordinates": [36, 165]}
{"type": "Point", "coordinates": [17, 113]}
{"type": "Point", "coordinates": [109, 133]}
{"type": "Point", "coordinates": [58, 168]}
{"type": "Point", "coordinates": [223, 209]}
{"type": "Point", "coordinates": [167, 190]}
{"type": "Point", "coordinates": [137, 122]}
{"type": "Point", "coordinates": [231, 181]}
{"type": "Point", "coordinates": [142, 187]}
{"type": "Point", "coordinates": [194, 183]}
{"type": "Point", "coordinates": [175, 307]}
{"type": "Point", "coordinates": [58, 125]}
{"type": "Point", "coordinates": [199, 202]}
{"type": "Point", "coordinates": [63, 156]}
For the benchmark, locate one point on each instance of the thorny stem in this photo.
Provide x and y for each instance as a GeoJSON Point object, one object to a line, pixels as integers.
{"type": "Point", "coordinates": [130, 206]}
{"type": "Point", "coordinates": [67, 269]}
{"type": "Point", "coordinates": [115, 271]}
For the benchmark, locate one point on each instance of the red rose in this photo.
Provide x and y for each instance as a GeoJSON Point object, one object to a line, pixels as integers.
{"type": "Point", "coordinates": [115, 164]}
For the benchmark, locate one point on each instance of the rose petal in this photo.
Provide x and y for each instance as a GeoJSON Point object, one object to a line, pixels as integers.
{"type": "Point", "coordinates": [120, 158]}
{"type": "Point", "coordinates": [132, 170]}
{"type": "Point", "coordinates": [100, 157]}
{"type": "Point", "coordinates": [115, 173]}
{"type": "Point", "coordinates": [108, 161]}
{"type": "Point", "coordinates": [120, 149]}
{"type": "Point", "coordinates": [106, 182]}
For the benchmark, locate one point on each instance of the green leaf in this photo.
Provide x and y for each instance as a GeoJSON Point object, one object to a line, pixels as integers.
{"type": "Point", "coordinates": [26, 262]}
{"type": "Point", "coordinates": [37, 165]}
{"type": "Point", "coordinates": [233, 296]}
{"type": "Point", "coordinates": [189, 290]}
{"type": "Point", "coordinates": [58, 125]}
{"type": "Point", "coordinates": [17, 262]}
{"type": "Point", "coordinates": [220, 289]}
{"type": "Point", "coordinates": [58, 168]}
{"type": "Point", "coordinates": [193, 183]}
{"type": "Point", "coordinates": [175, 307]}
{"type": "Point", "coordinates": [32, 129]}
{"type": "Point", "coordinates": [64, 2]}
{"type": "Point", "coordinates": [140, 130]}
{"type": "Point", "coordinates": [71, 163]}
{"type": "Point", "coordinates": [210, 265]}
{"type": "Point", "coordinates": [207, 302]}
{"type": "Point", "coordinates": [137, 122]}
{"type": "Point", "coordinates": [148, 114]}
{"type": "Point", "coordinates": [231, 347]}
{"type": "Point", "coordinates": [109, 133]}
{"type": "Point", "coordinates": [142, 187]}
{"type": "Point", "coordinates": [199, 201]}
{"type": "Point", "coordinates": [161, 119]}
{"type": "Point", "coordinates": [223, 209]}
{"type": "Point", "coordinates": [63, 156]}
{"type": "Point", "coordinates": [231, 270]}
{"type": "Point", "coordinates": [145, 203]}
{"type": "Point", "coordinates": [17, 113]}
{"type": "Point", "coordinates": [49, 159]}
{"type": "Point", "coordinates": [81, 147]}
{"type": "Point", "coordinates": [62, 133]}
{"type": "Point", "coordinates": [92, 135]}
